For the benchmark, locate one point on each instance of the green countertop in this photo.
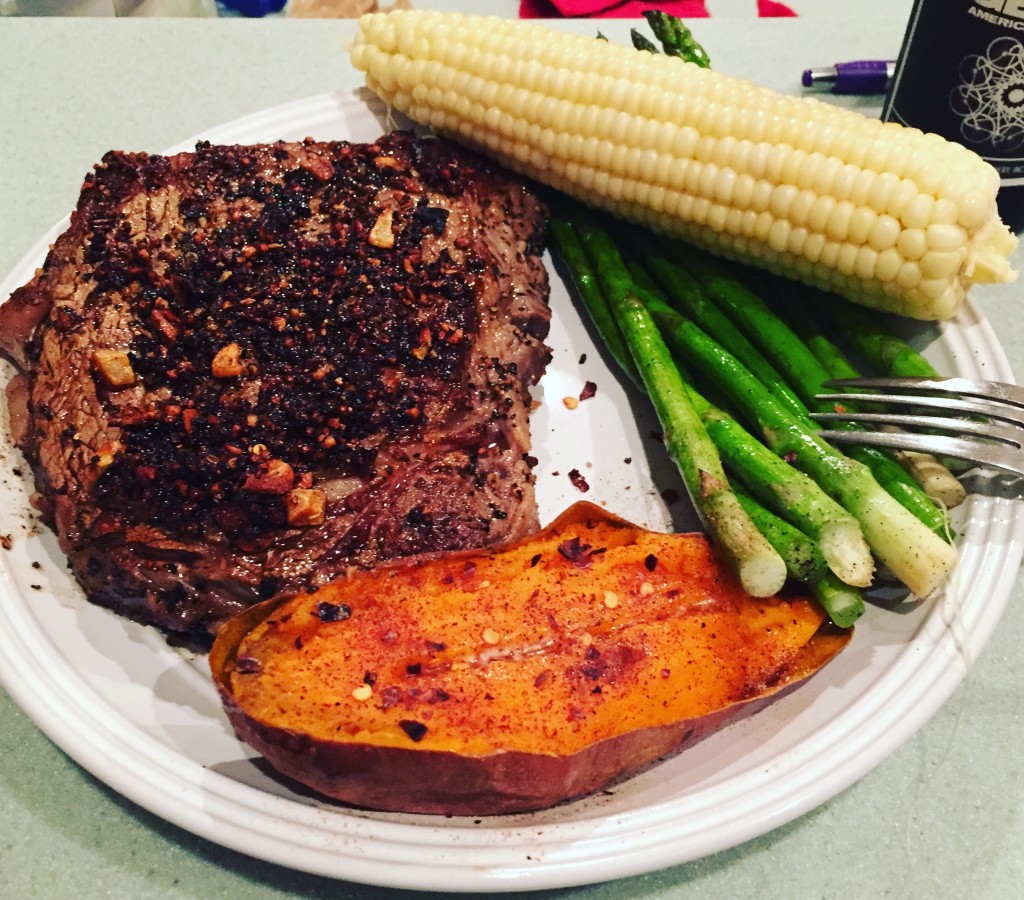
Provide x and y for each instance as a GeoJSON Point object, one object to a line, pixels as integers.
{"type": "Point", "coordinates": [942, 817]}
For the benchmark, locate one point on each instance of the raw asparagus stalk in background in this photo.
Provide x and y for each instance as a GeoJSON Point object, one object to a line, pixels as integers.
{"type": "Point", "coordinates": [641, 42]}
{"type": "Point", "coordinates": [676, 39]}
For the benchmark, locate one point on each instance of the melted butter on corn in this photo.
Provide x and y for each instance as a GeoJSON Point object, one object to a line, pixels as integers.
{"type": "Point", "coordinates": [885, 215]}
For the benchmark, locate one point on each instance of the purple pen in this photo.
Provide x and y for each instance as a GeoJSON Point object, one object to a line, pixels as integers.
{"type": "Point", "coordinates": [866, 76]}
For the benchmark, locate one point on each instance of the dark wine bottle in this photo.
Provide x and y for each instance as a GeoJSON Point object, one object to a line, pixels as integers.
{"type": "Point", "coordinates": [961, 75]}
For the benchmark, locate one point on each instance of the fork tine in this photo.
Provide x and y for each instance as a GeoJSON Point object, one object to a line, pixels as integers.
{"type": "Point", "coordinates": [1002, 456]}
{"type": "Point", "coordinates": [1010, 433]}
{"type": "Point", "coordinates": [968, 405]}
{"type": "Point", "coordinates": [963, 387]}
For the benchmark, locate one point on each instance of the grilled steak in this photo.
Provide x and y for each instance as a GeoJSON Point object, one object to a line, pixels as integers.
{"type": "Point", "coordinates": [247, 369]}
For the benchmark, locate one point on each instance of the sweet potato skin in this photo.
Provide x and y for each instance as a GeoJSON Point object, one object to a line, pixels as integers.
{"type": "Point", "coordinates": [506, 681]}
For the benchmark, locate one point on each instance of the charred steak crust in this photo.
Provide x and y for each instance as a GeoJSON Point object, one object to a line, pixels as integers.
{"type": "Point", "coordinates": [249, 368]}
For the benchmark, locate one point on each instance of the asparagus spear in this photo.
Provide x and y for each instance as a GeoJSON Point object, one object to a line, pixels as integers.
{"type": "Point", "coordinates": [914, 553]}
{"type": "Point", "coordinates": [640, 42]}
{"type": "Point", "coordinates": [841, 542]}
{"type": "Point", "coordinates": [684, 293]}
{"type": "Point", "coordinates": [793, 495]}
{"type": "Point", "coordinates": [843, 603]}
{"type": "Point", "coordinates": [889, 354]}
{"type": "Point", "coordinates": [676, 39]}
{"type": "Point", "coordinates": [575, 257]}
{"type": "Point", "coordinates": [761, 570]}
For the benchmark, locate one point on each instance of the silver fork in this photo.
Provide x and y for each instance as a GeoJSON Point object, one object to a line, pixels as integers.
{"type": "Point", "coordinates": [990, 412]}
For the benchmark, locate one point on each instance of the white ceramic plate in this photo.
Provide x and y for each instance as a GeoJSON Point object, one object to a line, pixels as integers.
{"type": "Point", "coordinates": [146, 720]}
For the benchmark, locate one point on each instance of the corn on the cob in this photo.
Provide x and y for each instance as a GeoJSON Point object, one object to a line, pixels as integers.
{"type": "Point", "coordinates": [884, 215]}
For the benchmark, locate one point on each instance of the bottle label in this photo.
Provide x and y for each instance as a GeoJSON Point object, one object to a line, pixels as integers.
{"type": "Point", "coordinates": [961, 75]}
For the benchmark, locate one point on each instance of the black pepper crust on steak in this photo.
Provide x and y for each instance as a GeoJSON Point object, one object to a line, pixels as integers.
{"type": "Point", "coordinates": [328, 349]}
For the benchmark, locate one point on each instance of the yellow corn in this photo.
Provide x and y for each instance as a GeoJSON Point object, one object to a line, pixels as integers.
{"type": "Point", "coordinates": [884, 215]}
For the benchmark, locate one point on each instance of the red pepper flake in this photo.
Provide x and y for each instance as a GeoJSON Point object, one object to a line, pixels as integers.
{"type": "Point", "coordinates": [578, 553]}
{"type": "Point", "coordinates": [415, 730]}
{"type": "Point", "coordinates": [578, 481]}
{"type": "Point", "coordinates": [536, 559]}
{"type": "Point", "coordinates": [650, 562]}
{"type": "Point", "coordinates": [790, 457]}
{"type": "Point", "coordinates": [583, 358]}
{"type": "Point", "coordinates": [246, 665]}
{"type": "Point", "coordinates": [370, 678]}
{"type": "Point", "coordinates": [413, 669]}
{"type": "Point", "coordinates": [839, 408]}
{"type": "Point", "coordinates": [589, 389]}
{"type": "Point", "coordinates": [543, 678]}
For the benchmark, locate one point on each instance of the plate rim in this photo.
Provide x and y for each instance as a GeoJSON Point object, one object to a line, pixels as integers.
{"type": "Point", "coordinates": [185, 801]}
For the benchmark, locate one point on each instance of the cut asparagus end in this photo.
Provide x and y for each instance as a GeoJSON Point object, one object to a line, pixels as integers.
{"type": "Point", "coordinates": [761, 570]}
{"type": "Point", "coordinates": [844, 604]}
{"type": "Point", "coordinates": [847, 553]}
{"type": "Point", "coordinates": [916, 555]}
{"type": "Point", "coordinates": [935, 479]}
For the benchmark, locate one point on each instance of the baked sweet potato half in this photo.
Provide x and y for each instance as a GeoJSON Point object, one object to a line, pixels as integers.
{"type": "Point", "coordinates": [504, 681]}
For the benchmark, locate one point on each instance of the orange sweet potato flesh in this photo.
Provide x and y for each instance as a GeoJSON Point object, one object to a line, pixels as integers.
{"type": "Point", "coordinates": [509, 680]}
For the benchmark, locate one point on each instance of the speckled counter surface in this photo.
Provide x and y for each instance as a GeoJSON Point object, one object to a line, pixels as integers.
{"type": "Point", "coordinates": [942, 817]}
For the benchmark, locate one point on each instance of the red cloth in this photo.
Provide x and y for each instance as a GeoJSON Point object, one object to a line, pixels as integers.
{"type": "Point", "coordinates": [769, 9]}
{"type": "Point", "coordinates": [628, 9]}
